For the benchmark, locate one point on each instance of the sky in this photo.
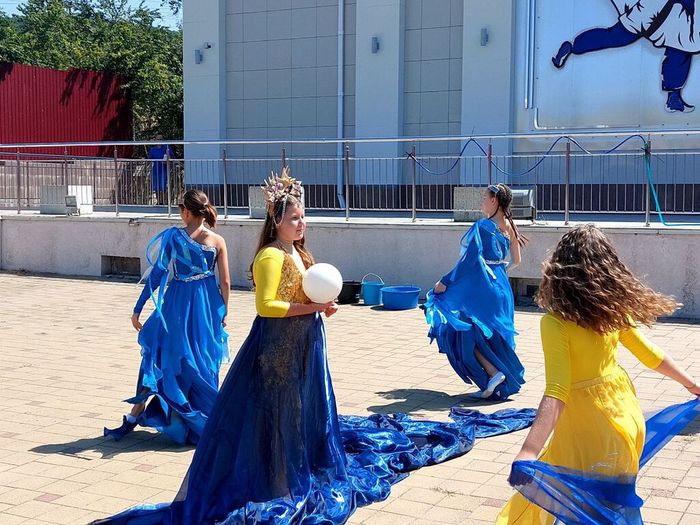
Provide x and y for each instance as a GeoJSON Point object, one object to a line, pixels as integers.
{"type": "Point", "coordinates": [10, 7]}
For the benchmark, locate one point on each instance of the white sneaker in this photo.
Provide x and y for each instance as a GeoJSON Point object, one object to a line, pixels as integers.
{"type": "Point", "coordinates": [493, 383]}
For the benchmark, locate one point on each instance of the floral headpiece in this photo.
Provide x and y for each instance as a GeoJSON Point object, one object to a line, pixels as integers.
{"type": "Point", "coordinates": [279, 188]}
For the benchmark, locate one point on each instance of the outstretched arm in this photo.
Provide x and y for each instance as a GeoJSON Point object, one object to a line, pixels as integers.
{"type": "Point", "coordinates": [224, 276]}
{"type": "Point", "coordinates": [653, 357]}
{"type": "Point", "coordinates": [548, 414]}
{"type": "Point", "coordinates": [557, 364]}
{"type": "Point", "coordinates": [515, 249]}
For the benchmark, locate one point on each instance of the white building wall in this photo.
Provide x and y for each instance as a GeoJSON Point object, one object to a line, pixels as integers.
{"type": "Point", "coordinates": [276, 78]}
{"type": "Point", "coordinates": [404, 253]}
{"type": "Point", "coordinates": [282, 78]}
{"type": "Point", "coordinates": [204, 83]}
{"type": "Point", "coordinates": [378, 81]}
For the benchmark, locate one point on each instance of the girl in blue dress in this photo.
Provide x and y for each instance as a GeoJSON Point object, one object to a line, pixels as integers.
{"type": "Point", "coordinates": [471, 309]}
{"type": "Point", "coordinates": [183, 342]}
{"type": "Point", "coordinates": [274, 450]}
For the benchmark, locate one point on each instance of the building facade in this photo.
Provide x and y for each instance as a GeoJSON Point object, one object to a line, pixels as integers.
{"type": "Point", "coordinates": [292, 69]}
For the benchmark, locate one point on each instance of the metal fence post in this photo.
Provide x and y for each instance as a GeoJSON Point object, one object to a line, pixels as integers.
{"type": "Point", "coordinates": [19, 184]}
{"type": "Point", "coordinates": [413, 184]}
{"type": "Point", "coordinates": [490, 160]}
{"type": "Point", "coordinates": [224, 158]}
{"type": "Point", "coordinates": [347, 182]}
{"type": "Point", "coordinates": [170, 188]}
{"type": "Point", "coordinates": [64, 171]}
{"type": "Point", "coordinates": [647, 166]}
{"type": "Point", "coordinates": [567, 176]}
{"type": "Point", "coordinates": [116, 183]}
{"type": "Point", "coordinates": [284, 158]}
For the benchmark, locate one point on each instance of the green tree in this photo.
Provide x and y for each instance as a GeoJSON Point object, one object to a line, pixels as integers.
{"type": "Point", "coordinates": [105, 35]}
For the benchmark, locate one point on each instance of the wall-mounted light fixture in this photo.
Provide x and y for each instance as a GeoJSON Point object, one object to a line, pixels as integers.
{"type": "Point", "coordinates": [484, 36]}
{"type": "Point", "coordinates": [198, 55]}
{"type": "Point", "coordinates": [375, 44]}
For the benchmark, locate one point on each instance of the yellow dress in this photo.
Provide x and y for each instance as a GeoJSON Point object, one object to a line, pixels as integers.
{"type": "Point", "coordinates": [601, 429]}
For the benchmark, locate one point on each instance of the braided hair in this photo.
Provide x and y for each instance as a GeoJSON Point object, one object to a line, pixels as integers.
{"type": "Point", "coordinates": [504, 198]}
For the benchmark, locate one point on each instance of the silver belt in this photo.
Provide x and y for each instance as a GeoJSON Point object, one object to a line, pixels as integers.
{"type": "Point", "coordinates": [494, 263]}
{"type": "Point", "coordinates": [193, 277]}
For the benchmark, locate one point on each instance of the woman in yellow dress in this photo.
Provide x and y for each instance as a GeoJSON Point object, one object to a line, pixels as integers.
{"type": "Point", "coordinates": [589, 407]}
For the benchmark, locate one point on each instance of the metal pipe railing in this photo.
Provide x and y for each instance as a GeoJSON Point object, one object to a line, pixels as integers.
{"type": "Point", "coordinates": [609, 133]}
{"type": "Point", "coordinates": [592, 180]}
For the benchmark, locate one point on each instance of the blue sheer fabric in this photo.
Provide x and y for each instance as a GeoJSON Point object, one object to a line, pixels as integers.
{"type": "Point", "coordinates": [274, 450]}
{"type": "Point", "coordinates": [579, 498]}
{"type": "Point", "coordinates": [477, 311]}
{"type": "Point", "coordinates": [666, 424]}
{"type": "Point", "coordinates": [183, 342]}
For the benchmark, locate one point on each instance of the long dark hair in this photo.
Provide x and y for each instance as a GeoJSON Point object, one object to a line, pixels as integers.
{"type": "Point", "coordinates": [504, 198]}
{"type": "Point", "coordinates": [197, 203]}
{"type": "Point", "coordinates": [268, 234]}
{"type": "Point", "coordinates": [585, 281]}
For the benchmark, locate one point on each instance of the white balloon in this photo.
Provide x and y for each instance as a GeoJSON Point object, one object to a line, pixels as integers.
{"type": "Point", "coordinates": [322, 283]}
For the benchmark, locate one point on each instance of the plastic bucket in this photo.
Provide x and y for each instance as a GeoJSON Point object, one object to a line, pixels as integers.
{"type": "Point", "coordinates": [372, 290]}
{"type": "Point", "coordinates": [400, 297]}
{"type": "Point", "coordinates": [350, 293]}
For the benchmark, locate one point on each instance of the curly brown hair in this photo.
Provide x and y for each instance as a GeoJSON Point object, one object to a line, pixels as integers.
{"type": "Point", "coordinates": [585, 281]}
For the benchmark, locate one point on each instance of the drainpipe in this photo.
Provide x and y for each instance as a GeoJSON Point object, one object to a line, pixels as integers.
{"type": "Point", "coordinates": [340, 183]}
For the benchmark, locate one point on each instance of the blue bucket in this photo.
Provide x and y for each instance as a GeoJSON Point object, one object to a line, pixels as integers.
{"type": "Point", "coordinates": [400, 297]}
{"type": "Point", "coordinates": [372, 290]}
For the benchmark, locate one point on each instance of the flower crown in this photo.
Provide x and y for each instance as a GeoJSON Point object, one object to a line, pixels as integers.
{"type": "Point", "coordinates": [278, 188]}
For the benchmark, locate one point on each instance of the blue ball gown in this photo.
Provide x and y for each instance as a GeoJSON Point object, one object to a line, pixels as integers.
{"type": "Point", "coordinates": [274, 450]}
{"type": "Point", "coordinates": [183, 342]}
{"type": "Point", "coordinates": [477, 311]}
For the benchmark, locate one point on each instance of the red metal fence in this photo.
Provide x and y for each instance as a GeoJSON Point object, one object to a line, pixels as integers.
{"type": "Point", "coordinates": [39, 105]}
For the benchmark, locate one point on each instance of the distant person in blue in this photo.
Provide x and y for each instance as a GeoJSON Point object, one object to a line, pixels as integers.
{"type": "Point", "coordinates": [159, 170]}
{"type": "Point", "coordinates": [183, 342]}
{"type": "Point", "coordinates": [470, 311]}
{"type": "Point", "coordinates": [274, 450]}
{"type": "Point", "coordinates": [668, 24]}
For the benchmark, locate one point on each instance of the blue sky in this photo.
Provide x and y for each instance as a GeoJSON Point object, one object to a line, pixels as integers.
{"type": "Point", "coordinates": [10, 6]}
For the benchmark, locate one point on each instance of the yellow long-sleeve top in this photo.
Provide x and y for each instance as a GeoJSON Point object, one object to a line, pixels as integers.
{"type": "Point", "coordinates": [573, 354]}
{"type": "Point", "coordinates": [278, 282]}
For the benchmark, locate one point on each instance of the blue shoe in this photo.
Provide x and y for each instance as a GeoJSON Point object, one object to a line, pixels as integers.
{"type": "Point", "coordinates": [562, 56]}
{"type": "Point", "coordinates": [675, 103]}
{"type": "Point", "coordinates": [118, 433]}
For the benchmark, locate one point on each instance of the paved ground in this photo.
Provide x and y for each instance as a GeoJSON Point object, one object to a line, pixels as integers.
{"type": "Point", "coordinates": [68, 356]}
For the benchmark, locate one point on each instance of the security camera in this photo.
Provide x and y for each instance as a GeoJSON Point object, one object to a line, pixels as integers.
{"type": "Point", "coordinates": [207, 45]}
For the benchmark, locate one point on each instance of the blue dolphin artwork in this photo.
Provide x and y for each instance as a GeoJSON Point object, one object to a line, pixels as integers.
{"type": "Point", "coordinates": [667, 24]}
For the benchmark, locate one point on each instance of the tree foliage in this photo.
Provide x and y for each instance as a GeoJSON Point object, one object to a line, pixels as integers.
{"type": "Point", "coordinates": [106, 35]}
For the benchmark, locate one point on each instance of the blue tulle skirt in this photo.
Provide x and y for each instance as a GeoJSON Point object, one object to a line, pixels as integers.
{"type": "Point", "coordinates": [274, 451]}
{"type": "Point", "coordinates": [180, 360]}
{"type": "Point", "coordinates": [459, 333]}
